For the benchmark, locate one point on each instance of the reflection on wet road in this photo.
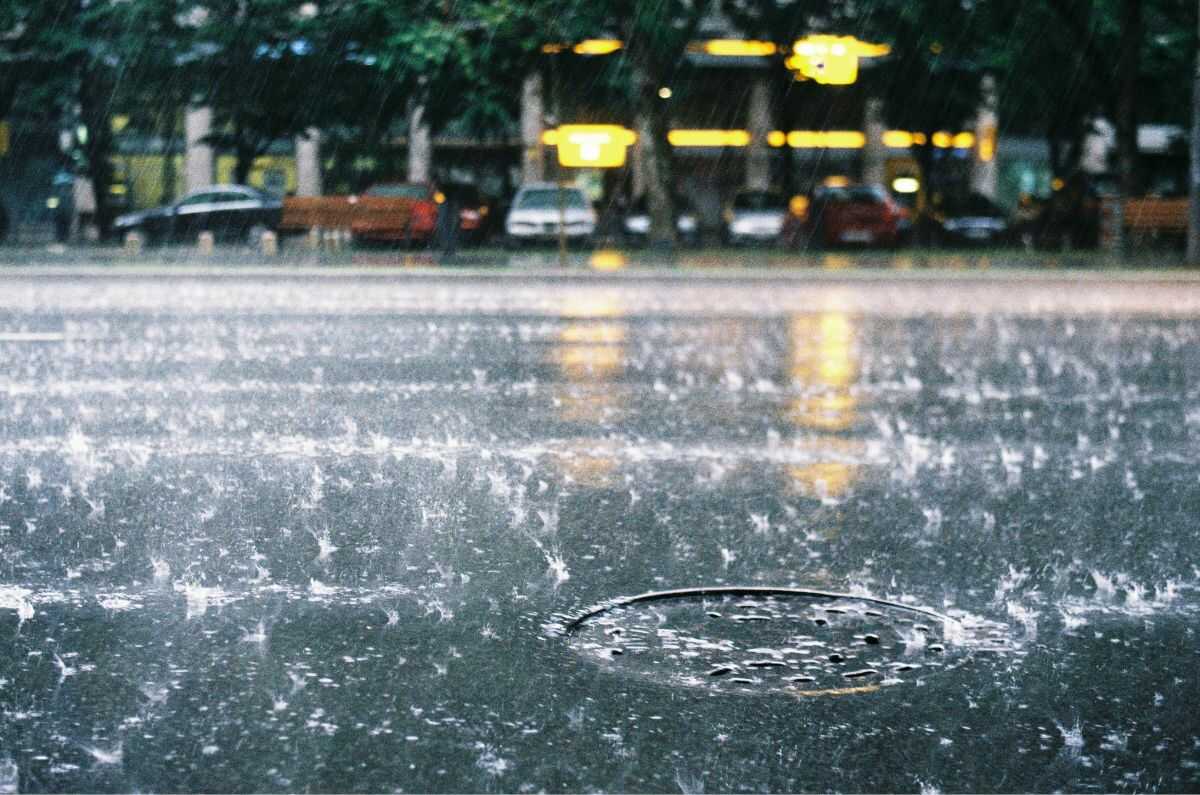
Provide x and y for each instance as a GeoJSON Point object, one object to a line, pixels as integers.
{"type": "Point", "coordinates": [316, 533]}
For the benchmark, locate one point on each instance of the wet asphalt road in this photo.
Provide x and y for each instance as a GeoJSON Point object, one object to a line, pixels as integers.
{"type": "Point", "coordinates": [314, 531]}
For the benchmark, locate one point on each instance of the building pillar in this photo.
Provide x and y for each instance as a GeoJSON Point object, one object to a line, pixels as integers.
{"type": "Point", "coordinates": [984, 174]}
{"type": "Point", "coordinates": [420, 144]}
{"type": "Point", "coordinates": [758, 152]}
{"type": "Point", "coordinates": [198, 156]}
{"type": "Point", "coordinates": [874, 153]}
{"type": "Point", "coordinates": [308, 163]}
{"type": "Point", "coordinates": [533, 124]}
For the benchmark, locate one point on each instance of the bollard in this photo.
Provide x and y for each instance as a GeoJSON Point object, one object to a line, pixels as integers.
{"type": "Point", "coordinates": [205, 242]}
{"type": "Point", "coordinates": [314, 238]}
{"type": "Point", "coordinates": [133, 243]}
{"type": "Point", "coordinates": [269, 243]}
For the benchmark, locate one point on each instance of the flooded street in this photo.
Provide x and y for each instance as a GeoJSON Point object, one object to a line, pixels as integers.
{"type": "Point", "coordinates": [362, 532]}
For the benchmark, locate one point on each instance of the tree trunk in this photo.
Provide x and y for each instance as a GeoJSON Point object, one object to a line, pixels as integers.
{"type": "Point", "coordinates": [652, 129]}
{"type": "Point", "coordinates": [1193, 241]}
{"type": "Point", "coordinates": [97, 148]}
{"type": "Point", "coordinates": [1128, 66]}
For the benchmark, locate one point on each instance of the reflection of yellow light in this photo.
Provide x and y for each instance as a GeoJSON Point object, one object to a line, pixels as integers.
{"type": "Point", "coordinates": [823, 356]}
{"type": "Point", "coordinates": [586, 305]}
{"type": "Point", "coordinates": [593, 334]}
{"type": "Point", "coordinates": [897, 139]}
{"type": "Point", "coordinates": [608, 260]}
{"type": "Point", "coordinates": [798, 206]}
{"type": "Point", "coordinates": [987, 143]}
{"type": "Point", "coordinates": [708, 137]}
{"type": "Point", "coordinates": [736, 48]}
{"type": "Point", "coordinates": [590, 145]}
{"type": "Point", "coordinates": [836, 262]}
{"type": "Point", "coordinates": [832, 478]}
{"type": "Point", "coordinates": [826, 139]}
{"type": "Point", "coordinates": [836, 181]}
{"type": "Point", "coordinates": [831, 60]}
{"type": "Point", "coordinates": [906, 185]}
{"type": "Point", "coordinates": [776, 138]}
{"type": "Point", "coordinates": [964, 140]}
{"type": "Point", "coordinates": [596, 47]}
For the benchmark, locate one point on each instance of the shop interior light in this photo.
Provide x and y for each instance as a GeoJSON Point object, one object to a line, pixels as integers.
{"type": "Point", "coordinates": [735, 48]}
{"type": "Point", "coordinates": [906, 185]}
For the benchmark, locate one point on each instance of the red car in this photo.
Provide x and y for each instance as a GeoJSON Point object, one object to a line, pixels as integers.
{"type": "Point", "coordinates": [403, 212]}
{"type": "Point", "coordinates": [850, 215]}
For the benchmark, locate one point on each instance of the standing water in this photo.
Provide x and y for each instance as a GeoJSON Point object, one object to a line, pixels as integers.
{"type": "Point", "coordinates": [359, 533]}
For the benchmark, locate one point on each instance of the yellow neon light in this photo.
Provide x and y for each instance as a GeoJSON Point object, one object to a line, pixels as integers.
{"type": "Point", "coordinates": [897, 139]}
{"type": "Point", "coordinates": [708, 137]}
{"type": "Point", "coordinates": [776, 138]}
{"type": "Point", "coordinates": [963, 140]}
{"type": "Point", "coordinates": [827, 139]}
{"type": "Point", "coordinates": [942, 139]}
{"type": "Point", "coordinates": [736, 48]}
{"type": "Point", "coordinates": [597, 47]}
{"type": "Point", "coordinates": [831, 60]}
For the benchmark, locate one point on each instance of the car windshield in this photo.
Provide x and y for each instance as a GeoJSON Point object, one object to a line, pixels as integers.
{"type": "Point", "coordinates": [548, 199]}
{"type": "Point", "coordinates": [858, 194]}
{"type": "Point", "coordinates": [759, 200]}
{"type": "Point", "coordinates": [398, 191]}
{"type": "Point", "coordinates": [463, 194]}
{"type": "Point", "coordinates": [640, 205]}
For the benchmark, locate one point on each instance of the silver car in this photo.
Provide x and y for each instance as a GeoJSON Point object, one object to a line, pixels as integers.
{"type": "Point", "coordinates": [538, 209]}
{"type": "Point", "coordinates": [755, 216]}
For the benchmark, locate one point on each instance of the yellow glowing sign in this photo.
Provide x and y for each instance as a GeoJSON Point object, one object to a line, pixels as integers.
{"type": "Point", "coordinates": [897, 139]}
{"type": "Point", "coordinates": [831, 60]}
{"type": "Point", "coordinates": [708, 137]}
{"type": "Point", "coordinates": [590, 145]}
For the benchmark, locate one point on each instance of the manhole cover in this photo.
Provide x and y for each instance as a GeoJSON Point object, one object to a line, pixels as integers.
{"type": "Point", "coordinates": [747, 639]}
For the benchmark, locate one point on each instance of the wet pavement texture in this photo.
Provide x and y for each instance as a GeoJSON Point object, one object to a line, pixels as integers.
{"type": "Point", "coordinates": [373, 533]}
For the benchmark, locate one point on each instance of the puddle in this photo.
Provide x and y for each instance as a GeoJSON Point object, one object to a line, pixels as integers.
{"type": "Point", "coordinates": [776, 640]}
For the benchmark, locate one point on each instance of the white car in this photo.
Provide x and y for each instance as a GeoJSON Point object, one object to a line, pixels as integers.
{"type": "Point", "coordinates": [755, 216]}
{"type": "Point", "coordinates": [537, 210]}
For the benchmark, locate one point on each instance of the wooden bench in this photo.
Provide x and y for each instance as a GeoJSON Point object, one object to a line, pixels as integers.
{"type": "Point", "coordinates": [1156, 215]}
{"type": "Point", "coordinates": [346, 213]}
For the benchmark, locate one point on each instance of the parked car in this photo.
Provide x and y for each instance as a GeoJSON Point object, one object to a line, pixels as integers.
{"type": "Point", "coordinates": [636, 223]}
{"type": "Point", "coordinates": [849, 215]}
{"type": "Point", "coordinates": [475, 211]}
{"type": "Point", "coordinates": [1070, 216]}
{"type": "Point", "coordinates": [536, 211]}
{"type": "Point", "coordinates": [230, 212]}
{"type": "Point", "coordinates": [413, 220]}
{"type": "Point", "coordinates": [969, 220]}
{"type": "Point", "coordinates": [754, 216]}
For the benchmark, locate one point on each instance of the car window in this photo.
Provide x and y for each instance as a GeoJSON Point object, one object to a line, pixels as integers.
{"type": "Point", "coordinates": [199, 198]}
{"type": "Point", "coordinates": [547, 199]}
{"type": "Point", "coordinates": [399, 191]}
{"type": "Point", "coordinates": [759, 200]}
